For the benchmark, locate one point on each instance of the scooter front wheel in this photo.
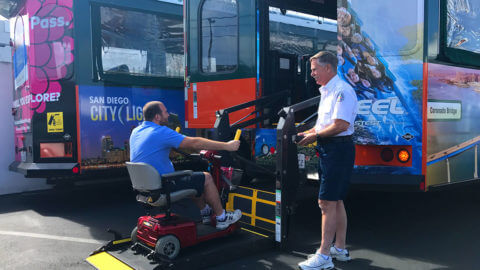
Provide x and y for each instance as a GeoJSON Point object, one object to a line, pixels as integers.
{"type": "Point", "coordinates": [168, 245]}
{"type": "Point", "coordinates": [133, 235]}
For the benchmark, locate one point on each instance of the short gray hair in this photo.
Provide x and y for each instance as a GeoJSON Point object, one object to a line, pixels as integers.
{"type": "Point", "coordinates": [325, 57]}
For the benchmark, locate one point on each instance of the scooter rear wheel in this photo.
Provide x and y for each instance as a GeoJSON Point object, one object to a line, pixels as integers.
{"type": "Point", "coordinates": [168, 245]}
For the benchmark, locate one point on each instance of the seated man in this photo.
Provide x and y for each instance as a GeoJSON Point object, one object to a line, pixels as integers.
{"type": "Point", "coordinates": [151, 143]}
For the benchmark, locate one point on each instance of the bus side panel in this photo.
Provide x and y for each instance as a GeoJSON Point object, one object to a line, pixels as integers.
{"type": "Point", "coordinates": [205, 98]}
{"type": "Point", "coordinates": [109, 114]}
{"type": "Point", "coordinates": [453, 129]}
{"type": "Point", "coordinates": [381, 57]}
{"type": "Point", "coordinates": [44, 91]}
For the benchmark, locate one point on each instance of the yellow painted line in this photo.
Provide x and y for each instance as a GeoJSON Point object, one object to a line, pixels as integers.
{"type": "Point", "coordinates": [258, 190]}
{"type": "Point", "coordinates": [105, 261]}
{"type": "Point", "coordinates": [263, 228]}
{"type": "Point", "coordinates": [266, 236]}
{"type": "Point", "coordinates": [122, 241]}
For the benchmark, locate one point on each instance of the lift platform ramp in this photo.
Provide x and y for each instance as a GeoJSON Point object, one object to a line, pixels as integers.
{"type": "Point", "coordinates": [256, 235]}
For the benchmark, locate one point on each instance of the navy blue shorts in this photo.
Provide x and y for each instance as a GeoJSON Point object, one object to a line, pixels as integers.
{"type": "Point", "coordinates": [335, 169]}
{"type": "Point", "coordinates": [196, 181]}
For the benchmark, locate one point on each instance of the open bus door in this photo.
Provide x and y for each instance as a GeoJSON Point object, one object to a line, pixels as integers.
{"type": "Point", "coordinates": [220, 66]}
{"type": "Point", "coordinates": [276, 79]}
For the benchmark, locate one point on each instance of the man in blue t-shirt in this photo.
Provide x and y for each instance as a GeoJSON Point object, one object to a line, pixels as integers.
{"type": "Point", "coordinates": [151, 143]}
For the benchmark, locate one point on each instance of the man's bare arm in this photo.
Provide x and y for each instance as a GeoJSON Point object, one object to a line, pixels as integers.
{"type": "Point", "coordinates": [338, 126]}
{"type": "Point", "coordinates": [333, 129]}
{"type": "Point", "coordinates": [198, 143]}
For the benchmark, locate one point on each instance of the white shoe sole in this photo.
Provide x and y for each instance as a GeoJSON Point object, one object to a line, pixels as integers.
{"type": "Point", "coordinates": [342, 259]}
{"type": "Point", "coordinates": [228, 225]}
{"type": "Point", "coordinates": [316, 268]}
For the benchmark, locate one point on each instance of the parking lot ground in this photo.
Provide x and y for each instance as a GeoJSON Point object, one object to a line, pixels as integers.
{"type": "Point", "coordinates": [387, 230]}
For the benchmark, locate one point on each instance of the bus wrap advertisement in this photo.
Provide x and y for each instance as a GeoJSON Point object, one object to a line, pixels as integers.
{"type": "Point", "coordinates": [380, 56]}
{"type": "Point", "coordinates": [43, 60]}
{"type": "Point", "coordinates": [109, 114]}
{"type": "Point", "coordinates": [453, 130]}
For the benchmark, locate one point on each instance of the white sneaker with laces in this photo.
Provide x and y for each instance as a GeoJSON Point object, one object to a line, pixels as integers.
{"type": "Point", "coordinates": [343, 255]}
{"type": "Point", "coordinates": [316, 262]}
{"type": "Point", "coordinates": [230, 218]}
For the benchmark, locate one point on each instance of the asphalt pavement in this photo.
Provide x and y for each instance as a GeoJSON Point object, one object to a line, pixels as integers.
{"type": "Point", "coordinates": [58, 229]}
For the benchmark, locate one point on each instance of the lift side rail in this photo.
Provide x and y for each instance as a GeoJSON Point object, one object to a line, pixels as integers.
{"type": "Point", "coordinates": [287, 171]}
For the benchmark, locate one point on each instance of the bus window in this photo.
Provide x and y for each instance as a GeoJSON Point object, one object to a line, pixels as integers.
{"type": "Point", "coordinates": [404, 28]}
{"type": "Point", "coordinates": [219, 32]}
{"type": "Point", "coordinates": [460, 42]}
{"type": "Point", "coordinates": [462, 25]}
{"type": "Point", "coordinates": [299, 33]}
{"type": "Point", "coordinates": [152, 46]}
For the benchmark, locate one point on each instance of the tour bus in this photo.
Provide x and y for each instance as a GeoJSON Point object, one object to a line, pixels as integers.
{"type": "Point", "coordinates": [414, 65]}
{"type": "Point", "coordinates": [80, 84]}
{"type": "Point", "coordinates": [82, 72]}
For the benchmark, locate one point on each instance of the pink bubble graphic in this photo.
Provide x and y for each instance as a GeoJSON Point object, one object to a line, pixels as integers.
{"type": "Point", "coordinates": [51, 48]}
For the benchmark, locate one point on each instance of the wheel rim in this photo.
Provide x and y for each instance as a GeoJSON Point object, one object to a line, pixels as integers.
{"type": "Point", "coordinates": [169, 249]}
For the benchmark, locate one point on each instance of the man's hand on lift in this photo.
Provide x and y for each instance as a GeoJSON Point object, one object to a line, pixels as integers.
{"type": "Point", "coordinates": [233, 145]}
{"type": "Point", "coordinates": [308, 138]}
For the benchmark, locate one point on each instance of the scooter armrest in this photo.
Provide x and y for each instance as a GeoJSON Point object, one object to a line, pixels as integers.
{"type": "Point", "coordinates": [176, 175]}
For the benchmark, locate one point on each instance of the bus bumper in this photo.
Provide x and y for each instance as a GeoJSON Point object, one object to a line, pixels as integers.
{"type": "Point", "coordinates": [43, 170]}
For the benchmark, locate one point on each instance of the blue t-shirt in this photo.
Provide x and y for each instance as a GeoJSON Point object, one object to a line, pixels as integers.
{"type": "Point", "coordinates": [151, 143]}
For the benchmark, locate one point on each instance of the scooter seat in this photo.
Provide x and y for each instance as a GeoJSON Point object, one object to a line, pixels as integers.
{"type": "Point", "coordinates": [149, 184]}
{"type": "Point", "coordinates": [162, 200]}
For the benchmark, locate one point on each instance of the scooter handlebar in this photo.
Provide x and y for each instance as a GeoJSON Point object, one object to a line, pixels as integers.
{"type": "Point", "coordinates": [237, 134]}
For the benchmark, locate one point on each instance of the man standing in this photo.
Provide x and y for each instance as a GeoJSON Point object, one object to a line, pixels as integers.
{"type": "Point", "coordinates": [333, 132]}
{"type": "Point", "coordinates": [151, 143]}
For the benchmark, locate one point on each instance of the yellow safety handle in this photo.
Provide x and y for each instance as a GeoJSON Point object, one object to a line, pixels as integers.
{"type": "Point", "coordinates": [237, 134]}
{"type": "Point", "coordinates": [177, 129]}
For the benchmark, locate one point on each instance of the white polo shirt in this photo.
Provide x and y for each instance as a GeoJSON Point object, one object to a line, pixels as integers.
{"type": "Point", "coordinates": [338, 101]}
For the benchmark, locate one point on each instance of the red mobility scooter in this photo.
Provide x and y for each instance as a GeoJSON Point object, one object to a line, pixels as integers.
{"type": "Point", "coordinates": [165, 234]}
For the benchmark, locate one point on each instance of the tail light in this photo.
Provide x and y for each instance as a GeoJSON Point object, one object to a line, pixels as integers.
{"type": "Point", "coordinates": [403, 155]}
{"type": "Point", "coordinates": [383, 155]}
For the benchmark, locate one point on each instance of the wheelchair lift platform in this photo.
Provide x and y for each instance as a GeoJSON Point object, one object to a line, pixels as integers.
{"type": "Point", "coordinates": [246, 241]}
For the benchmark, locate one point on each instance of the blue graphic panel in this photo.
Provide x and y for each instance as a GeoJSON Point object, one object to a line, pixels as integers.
{"type": "Point", "coordinates": [381, 57]}
{"type": "Point", "coordinates": [108, 115]}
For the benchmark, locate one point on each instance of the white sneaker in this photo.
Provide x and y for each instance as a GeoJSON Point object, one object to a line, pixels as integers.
{"type": "Point", "coordinates": [206, 219]}
{"type": "Point", "coordinates": [343, 255]}
{"type": "Point", "coordinates": [230, 218]}
{"type": "Point", "coordinates": [316, 262]}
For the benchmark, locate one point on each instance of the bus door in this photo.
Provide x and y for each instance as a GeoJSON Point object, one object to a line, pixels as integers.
{"type": "Point", "coordinates": [293, 35]}
{"type": "Point", "coordinates": [280, 76]}
{"type": "Point", "coordinates": [220, 59]}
